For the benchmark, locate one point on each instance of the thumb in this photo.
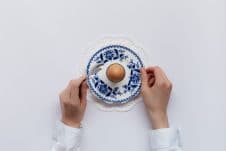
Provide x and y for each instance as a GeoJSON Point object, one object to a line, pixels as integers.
{"type": "Point", "coordinates": [144, 79]}
{"type": "Point", "coordinates": [83, 90]}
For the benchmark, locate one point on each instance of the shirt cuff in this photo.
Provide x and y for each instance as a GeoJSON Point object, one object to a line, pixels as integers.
{"type": "Point", "coordinates": [165, 138]}
{"type": "Point", "coordinates": [68, 137]}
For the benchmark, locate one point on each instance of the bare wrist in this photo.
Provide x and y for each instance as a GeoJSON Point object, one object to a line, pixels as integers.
{"type": "Point", "coordinates": [159, 120]}
{"type": "Point", "coordinates": [71, 123]}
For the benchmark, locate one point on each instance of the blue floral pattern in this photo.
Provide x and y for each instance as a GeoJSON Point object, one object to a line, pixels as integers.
{"type": "Point", "coordinates": [104, 89]}
{"type": "Point", "coordinates": [112, 94]}
{"type": "Point", "coordinates": [134, 79]}
{"type": "Point", "coordinates": [111, 54]}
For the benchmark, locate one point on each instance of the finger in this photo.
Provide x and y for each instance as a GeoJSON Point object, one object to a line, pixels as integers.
{"type": "Point", "coordinates": [66, 93]}
{"type": "Point", "coordinates": [150, 69]}
{"type": "Point", "coordinates": [151, 81]}
{"type": "Point", "coordinates": [83, 92]}
{"type": "Point", "coordinates": [160, 76]}
{"type": "Point", "coordinates": [144, 78]}
{"type": "Point", "coordinates": [75, 84]}
{"type": "Point", "coordinates": [163, 74]}
{"type": "Point", "coordinates": [151, 76]}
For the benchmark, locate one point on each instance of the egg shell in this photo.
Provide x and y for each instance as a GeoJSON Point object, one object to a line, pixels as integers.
{"type": "Point", "coordinates": [115, 72]}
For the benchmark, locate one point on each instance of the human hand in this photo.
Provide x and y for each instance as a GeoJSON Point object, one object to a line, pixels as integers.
{"type": "Point", "coordinates": [156, 89]}
{"type": "Point", "coordinates": [73, 102]}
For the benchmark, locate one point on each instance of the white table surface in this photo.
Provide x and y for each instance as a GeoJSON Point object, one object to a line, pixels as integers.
{"type": "Point", "coordinates": [41, 42]}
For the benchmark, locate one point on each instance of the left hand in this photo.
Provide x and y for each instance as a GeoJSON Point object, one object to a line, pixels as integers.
{"type": "Point", "coordinates": [73, 102]}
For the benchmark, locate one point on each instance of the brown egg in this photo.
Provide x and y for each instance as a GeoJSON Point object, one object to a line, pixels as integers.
{"type": "Point", "coordinates": [115, 72]}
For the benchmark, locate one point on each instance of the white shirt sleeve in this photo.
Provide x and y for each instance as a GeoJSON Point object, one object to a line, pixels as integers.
{"type": "Point", "coordinates": [165, 139]}
{"type": "Point", "coordinates": [67, 138]}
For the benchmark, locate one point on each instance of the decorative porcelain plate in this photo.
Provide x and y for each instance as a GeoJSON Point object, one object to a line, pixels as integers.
{"type": "Point", "coordinates": [114, 74]}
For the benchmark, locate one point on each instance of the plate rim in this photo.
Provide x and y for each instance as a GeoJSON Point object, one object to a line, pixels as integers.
{"type": "Point", "coordinates": [106, 100]}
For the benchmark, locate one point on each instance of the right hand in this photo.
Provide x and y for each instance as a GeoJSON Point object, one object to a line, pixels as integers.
{"type": "Point", "coordinates": [156, 89]}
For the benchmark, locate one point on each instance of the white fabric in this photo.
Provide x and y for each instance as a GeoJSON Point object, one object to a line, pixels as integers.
{"type": "Point", "coordinates": [67, 138]}
{"type": "Point", "coordinates": [166, 139]}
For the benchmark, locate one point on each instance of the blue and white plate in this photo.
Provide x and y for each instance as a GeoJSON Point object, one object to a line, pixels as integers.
{"type": "Point", "coordinates": [102, 87]}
